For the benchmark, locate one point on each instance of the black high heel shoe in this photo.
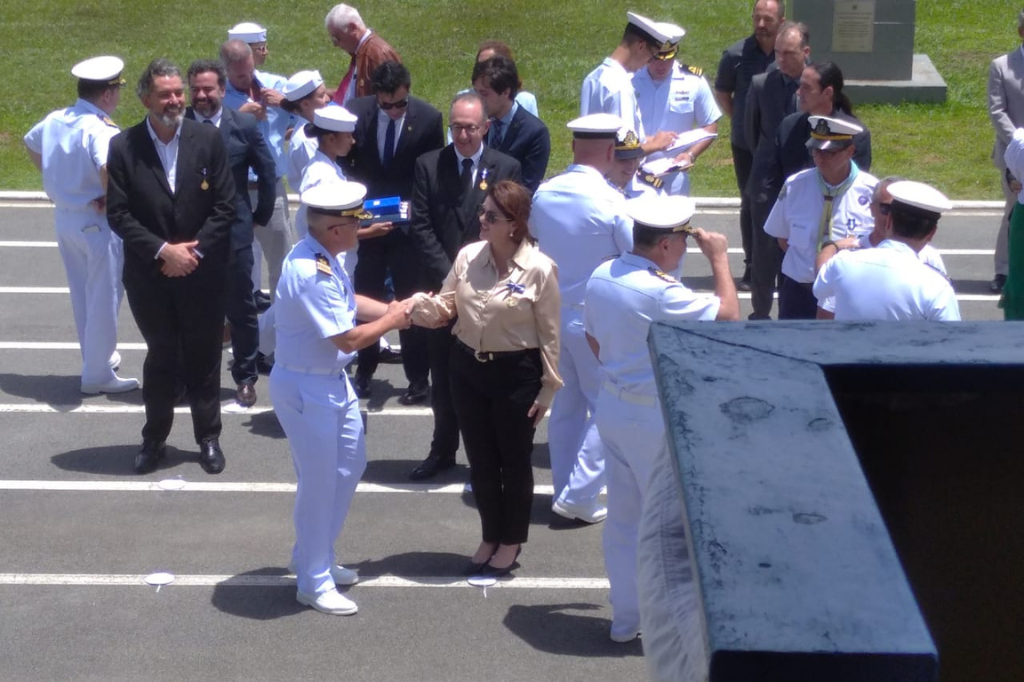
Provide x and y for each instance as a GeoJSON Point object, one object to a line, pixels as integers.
{"type": "Point", "coordinates": [495, 572]}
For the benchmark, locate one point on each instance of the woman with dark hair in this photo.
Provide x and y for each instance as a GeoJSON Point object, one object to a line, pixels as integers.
{"type": "Point", "coordinates": [504, 365]}
{"type": "Point", "coordinates": [304, 93]}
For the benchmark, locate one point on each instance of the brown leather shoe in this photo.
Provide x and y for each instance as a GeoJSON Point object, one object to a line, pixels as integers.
{"type": "Point", "coordinates": [246, 395]}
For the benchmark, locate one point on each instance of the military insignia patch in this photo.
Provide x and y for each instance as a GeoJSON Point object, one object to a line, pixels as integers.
{"type": "Point", "coordinates": [695, 70]}
{"type": "Point", "coordinates": [650, 179]}
{"type": "Point", "coordinates": [109, 122]}
{"type": "Point", "coordinates": [863, 200]}
{"type": "Point", "coordinates": [323, 265]}
{"type": "Point", "coordinates": [663, 275]}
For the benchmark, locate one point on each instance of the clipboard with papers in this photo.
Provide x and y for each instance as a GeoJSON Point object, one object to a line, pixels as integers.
{"type": "Point", "coordinates": [684, 141]}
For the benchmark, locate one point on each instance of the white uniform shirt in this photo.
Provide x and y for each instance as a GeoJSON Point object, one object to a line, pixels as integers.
{"type": "Point", "coordinates": [320, 167]}
{"type": "Point", "coordinates": [888, 282]}
{"type": "Point", "coordinates": [608, 89]}
{"type": "Point", "coordinates": [796, 216]}
{"type": "Point", "coordinates": [579, 220]}
{"type": "Point", "coordinates": [301, 150]}
{"type": "Point", "coordinates": [928, 255]}
{"type": "Point", "coordinates": [681, 102]}
{"type": "Point", "coordinates": [73, 143]}
{"type": "Point", "coordinates": [624, 296]}
{"type": "Point", "coordinates": [311, 306]}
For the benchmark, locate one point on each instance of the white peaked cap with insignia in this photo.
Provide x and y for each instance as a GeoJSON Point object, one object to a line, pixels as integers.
{"type": "Point", "coordinates": [100, 69]}
{"type": "Point", "coordinates": [671, 213]}
{"type": "Point", "coordinates": [919, 196]}
{"type": "Point", "coordinates": [335, 197]}
{"type": "Point", "coordinates": [627, 145]}
{"type": "Point", "coordinates": [595, 125]}
{"type": "Point", "coordinates": [831, 133]}
{"type": "Point", "coordinates": [651, 28]}
{"type": "Point", "coordinates": [335, 118]}
{"type": "Point", "coordinates": [248, 32]}
{"type": "Point", "coordinates": [675, 34]}
{"type": "Point", "coordinates": [301, 84]}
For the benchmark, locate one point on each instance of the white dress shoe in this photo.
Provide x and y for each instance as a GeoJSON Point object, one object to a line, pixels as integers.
{"type": "Point", "coordinates": [623, 636]}
{"type": "Point", "coordinates": [115, 361]}
{"type": "Point", "coordinates": [595, 514]}
{"type": "Point", "coordinates": [115, 385]}
{"type": "Point", "coordinates": [341, 575]}
{"type": "Point", "coordinates": [330, 602]}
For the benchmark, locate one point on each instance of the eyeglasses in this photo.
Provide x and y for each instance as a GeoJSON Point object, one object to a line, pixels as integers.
{"type": "Point", "coordinates": [457, 128]}
{"type": "Point", "coordinates": [388, 106]}
{"type": "Point", "coordinates": [884, 209]}
{"type": "Point", "coordinates": [490, 217]}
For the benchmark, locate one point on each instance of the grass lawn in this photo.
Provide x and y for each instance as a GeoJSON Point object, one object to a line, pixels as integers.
{"type": "Point", "coordinates": [556, 45]}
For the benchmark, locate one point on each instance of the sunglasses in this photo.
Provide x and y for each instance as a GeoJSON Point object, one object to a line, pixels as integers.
{"type": "Point", "coordinates": [388, 106]}
{"type": "Point", "coordinates": [490, 217]}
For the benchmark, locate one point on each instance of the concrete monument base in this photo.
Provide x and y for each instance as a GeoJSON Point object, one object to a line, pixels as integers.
{"type": "Point", "coordinates": [925, 87]}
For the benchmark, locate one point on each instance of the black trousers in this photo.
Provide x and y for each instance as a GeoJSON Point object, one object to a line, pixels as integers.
{"type": "Point", "coordinates": [796, 300]}
{"type": "Point", "coordinates": [492, 400]}
{"type": "Point", "coordinates": [742, 162]}
{"type": "Point", "coordinates": [445, 441]}
{"type": "Point", "coordinates": [240, 308]}
{"type": "Point", "coordinates": [765, 262]}
{"type": "Point", "coordinates": [182, 321]}
{"type": "Point", "coordinates": [395, 252]}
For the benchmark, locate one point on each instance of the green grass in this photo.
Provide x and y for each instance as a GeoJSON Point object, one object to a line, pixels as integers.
{"type": "Point", "coordinates": [556, 45]}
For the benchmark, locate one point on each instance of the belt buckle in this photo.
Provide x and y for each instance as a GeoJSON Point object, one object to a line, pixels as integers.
{"type": "Point", "coordinates": [480, 356]}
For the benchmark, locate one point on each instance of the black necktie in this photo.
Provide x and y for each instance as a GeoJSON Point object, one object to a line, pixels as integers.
{"type": "Point", "coordinates": [467, 175]}
{"type": "Point", "coordinates": [206, 120]}
{"type": "Point", "coordinates": [389, 144]}
{"type": "Point", "coordinates": [496, 135]}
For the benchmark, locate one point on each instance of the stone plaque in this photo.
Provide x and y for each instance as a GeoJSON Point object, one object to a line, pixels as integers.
{"type": "Point", "coordinates": [853, 26]}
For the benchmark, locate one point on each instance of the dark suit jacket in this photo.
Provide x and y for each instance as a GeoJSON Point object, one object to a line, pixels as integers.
{"type": "Point", "coordinates": [769, 100]}
{"type": "Point", "coordinates": [443, 217]}
{"type": "Point", "coordinates": [144, 212]}
{"type": "Point", "coordinates": [246, 149]}
{"type": "Point", "coordinates": [528, 142]}
{"type": "Point", "coordinates": [422, 132]}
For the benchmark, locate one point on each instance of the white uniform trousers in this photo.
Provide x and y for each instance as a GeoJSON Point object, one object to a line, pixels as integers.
{"type": "Point", "coordinates": [273, 240]}
{"type": "Point", "coordinates": [93, 259]}
{"type": "Point", "coordinates": [632, 436]}
{"type": "Point", "coordinates": [669, 605]}
{"type": "Point", "coordinates": [577, 461]}
{"type": "Point", "coordinates": [320, 417]}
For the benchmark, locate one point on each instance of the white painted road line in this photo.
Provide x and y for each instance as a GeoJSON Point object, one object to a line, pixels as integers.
{"type": "Point", "coordinates": [176, 485]}
{"type": "Point", "coordinates": [59, 345]}
{"type": "Point", "coordinates": [29, 245]}
{"type": "Point", "coordinates": [128, 580]}
{"type": "Point", "coordinates": [36, 408]}
{"type": "Point", "coordinates": [34, 290]}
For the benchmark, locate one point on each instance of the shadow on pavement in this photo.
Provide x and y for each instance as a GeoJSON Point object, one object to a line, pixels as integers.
{"type": "Point", "coordinates": [257, 603]}
{"type": "Point", "coordinates": [396, 471]}
{"type": "Point", "coordinates": [564, 630]}
{"type": "Point", "coordinates": [60, 391]}
{"type": "Point", "coordinates": [265, 424]}
{"type": "Point", "coordinates": [119, 460]}
{"type": "Point", "coordinates": [417, 564]}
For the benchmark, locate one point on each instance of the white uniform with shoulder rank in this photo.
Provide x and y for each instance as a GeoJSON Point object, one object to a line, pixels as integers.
{"type": "Point", "coordinates": [73, 144]}
{"type": "Point", "coordinates": [624, 296]}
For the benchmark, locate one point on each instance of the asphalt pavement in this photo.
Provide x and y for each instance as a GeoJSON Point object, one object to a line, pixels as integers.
{"type": "Point", "coordinates": [82, 530]}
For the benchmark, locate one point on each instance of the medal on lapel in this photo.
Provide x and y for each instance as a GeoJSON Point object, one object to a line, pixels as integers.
{"type": "Point", "coordinates": [483, 179]}
{"type": "Point", "coordinates": [514, 288]}
{"type": "Point", "coordinates": [204, 185]}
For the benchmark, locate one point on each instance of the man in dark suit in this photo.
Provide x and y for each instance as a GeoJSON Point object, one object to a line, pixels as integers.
{"type": "Point", "coordinates": [393, 130]}
{"type": "Point", "coordinates": [171, 197]}
{"type": "Point", "coordinates": [246, 149]}
{"type": "Point", "coordinates": [449, 186]}
{"type": "Point", "coordinates": [514, 130]}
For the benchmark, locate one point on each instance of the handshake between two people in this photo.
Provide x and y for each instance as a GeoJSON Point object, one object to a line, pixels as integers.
{"type": "Point", "coordinates": [420, 309]}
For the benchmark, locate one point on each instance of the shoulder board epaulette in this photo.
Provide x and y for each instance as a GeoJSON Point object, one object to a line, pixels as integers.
{"type": "Point", "coordinates": [944, 275]}
{"type": "Point", "coordinates": [109, 122]}
{"type": "Point", "coordinates": [695, 70]}
{"type": "Point", "coordinates": [663, 275]}
{"type": "Point", "coordinates": [650, 179]}
{"type": "Point", "coordinates": [323, 265]}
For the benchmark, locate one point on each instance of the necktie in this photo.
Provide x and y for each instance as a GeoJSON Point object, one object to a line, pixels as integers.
{"type": "Point", "coordinates": [339, 94]}
{"type": "Point", "coordinates": [467, 176]}
{"type": "Point", "coordinates": [206, 120]}
{"type": "Point", "coordinates": [256, 91]}
{"type": "Point", "coordinates": [496, 133]}
{"type": "Point", "coordinates": [389, 145]}
{"type": "Point", "coordinates": [830, 195]}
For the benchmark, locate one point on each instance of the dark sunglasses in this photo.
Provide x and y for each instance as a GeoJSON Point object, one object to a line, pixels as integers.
{"type": "Point", "coordinates": [387, 106]}
{"type": "Point", "coordinates": [490, 217]}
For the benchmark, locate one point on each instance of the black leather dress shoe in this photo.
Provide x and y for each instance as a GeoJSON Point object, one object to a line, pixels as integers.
{"type": "Point", "coordinates": [211, 457]}
{"type": "Point", "coordinates": [262, 301]}
{"type": "Point", "coordinates": [490, 571]}
{"type": "Point", "coordinates": [997, 284]}
{"type": "Point", "coordinates": [149, 456]}
{"type": "Point", "coordinates": [246, 395]}
{"type": "Point", "coordinates": [473, 568]}
{"type": "Point", "coordinates": [430, 467]}
{"type": "Point", "coordinates": [417, 393]}
{"type": "Point", "coordinates": [361, 384]}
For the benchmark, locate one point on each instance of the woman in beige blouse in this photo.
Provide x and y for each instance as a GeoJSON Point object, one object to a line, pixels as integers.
{"type": "Point", "coordinates": [504, 365]}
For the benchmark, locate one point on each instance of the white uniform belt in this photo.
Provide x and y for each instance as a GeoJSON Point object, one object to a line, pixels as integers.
{"type": "Point", "coordinates": [320, 371]}
{"type": "Point", "coordinates": [627, 397]}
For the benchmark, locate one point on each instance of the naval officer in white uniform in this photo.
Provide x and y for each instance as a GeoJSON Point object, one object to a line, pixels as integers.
{"type": "Point", "coordinates": [70, 148]}
{"type": "Point", "coordinates": [624, 296]}
{"type": "Point", "coordinates": [317, 336]}
{"type": "Point", "coordinates": [890, 282]}
{"type": "Point", "coordinates": [579, 220]}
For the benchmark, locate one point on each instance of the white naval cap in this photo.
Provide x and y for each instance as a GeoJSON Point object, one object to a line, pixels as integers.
{"type": "Point", "coordinates": [831, 133]}
{"type": "Point", "coordinates": [920, 198]}
{"type": "Point", "coordinates": [336, 197]}
{"type": "Point", "coordinates": [100, 69]}
{"type": "Point", "coordinates": [336, 119]}
{"type": "Point", "coordinates": [301, 84]}
{"type": "Point", "coordinates": [675, 34]}
{"type": "Point", "coordinates": [248, 32]}
{"type": "Point", "coordinates": [668, 212]}
{"type": "Point", "coordinates": [649, 30]}
{"type": "Point", "coordinates": [594, 126]}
